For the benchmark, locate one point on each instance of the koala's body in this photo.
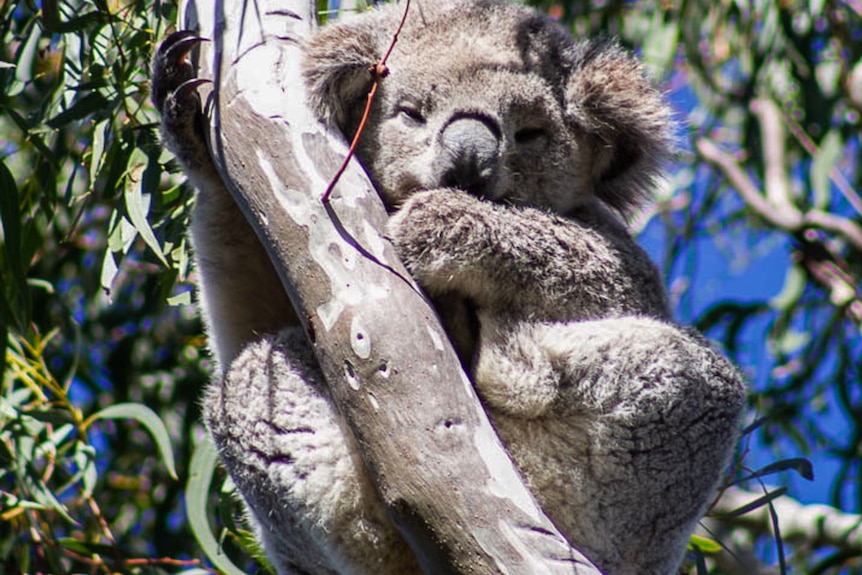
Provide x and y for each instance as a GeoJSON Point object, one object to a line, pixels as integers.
{"type": "Point", "coordinates": [504, 150]}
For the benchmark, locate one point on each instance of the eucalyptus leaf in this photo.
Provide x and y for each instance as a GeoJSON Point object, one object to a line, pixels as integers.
{"type": "Point", "coordinates": [80, 109]}
{"type": "Point", "coordinates": [100, 134]}
{"type": "Point", "coordinates": [794, 286]}
{"type": "Point", "coordinates": [831, 152]}
{"type": "Point", "coordinates": [704, 544]}
{"type": "Point", "coordinates": [756, 504]}
{"type": "Point", "coordinates": [151, 421]}
{"type": "Point", "coordinates": [138, 203]}
{"type": "Point", "coordinates": [201, 472]}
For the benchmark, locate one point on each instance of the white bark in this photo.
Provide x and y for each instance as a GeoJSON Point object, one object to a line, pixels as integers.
{"type": "Point", "coordinates": [813, 524]}
{"type": "Point", "coordinates": [438, 465]}
{"type": "Point", "coordinates": [810, 526]}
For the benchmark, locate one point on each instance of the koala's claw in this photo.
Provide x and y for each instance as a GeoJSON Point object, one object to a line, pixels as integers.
{"type": "Point", "coordinates": [174, 93]}
{"type": "Point", "coordinates": [188, 87]}
{"type": "Point", "coordinates": [171, 67]}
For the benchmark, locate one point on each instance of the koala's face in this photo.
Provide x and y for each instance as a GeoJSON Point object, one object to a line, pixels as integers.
{"type": "Point", "coordinates": [490, 98]}
{"type": "Point", "coordinates": [486, 127]}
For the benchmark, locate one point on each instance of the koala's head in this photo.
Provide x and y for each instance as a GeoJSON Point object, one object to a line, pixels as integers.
{"type": "Point", "coordinates": [494, 99]}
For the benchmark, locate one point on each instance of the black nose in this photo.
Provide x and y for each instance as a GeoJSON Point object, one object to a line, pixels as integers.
{"type": "Point", "coordinates": [470, 154]}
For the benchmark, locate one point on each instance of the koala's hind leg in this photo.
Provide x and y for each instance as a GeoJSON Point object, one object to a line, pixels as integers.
{"type": "Point", "coordinates": [241, 295]}
{"type": "Point", "coordinates": [297, 466]}
{"type": "Point", "coordinates": [622, 428]}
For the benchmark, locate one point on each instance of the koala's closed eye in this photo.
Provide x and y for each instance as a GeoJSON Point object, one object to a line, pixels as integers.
{"type": "Point", "coordinates": [411, 112]}
{"type": "Point", "coordinates": [531, 136]}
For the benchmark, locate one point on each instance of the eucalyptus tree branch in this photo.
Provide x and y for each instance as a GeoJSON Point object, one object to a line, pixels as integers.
{"type": "Point", "coordinates": [781, 216]}
{"type": "Point", "coordinates": [777, 185]}
{"type": "Point", "coordinates": [438, 465]}
{"type": "Point", "coordinates": [808, 526]}
{"type": "Point", "coordinates": [815, 525]}
{"type": "Point", "coordinates": [822, 261]}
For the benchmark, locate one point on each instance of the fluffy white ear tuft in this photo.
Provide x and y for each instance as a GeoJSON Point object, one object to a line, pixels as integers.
{"type": "Point", "coordinates": [609, 97]}
{"type": "Point", "coordinates": [337, 68]}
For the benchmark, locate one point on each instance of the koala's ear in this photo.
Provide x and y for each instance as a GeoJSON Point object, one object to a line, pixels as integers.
{"type": "Point", "coordinates": [608, 96]}
{"type": "Point", "coordinates": [336, 67]}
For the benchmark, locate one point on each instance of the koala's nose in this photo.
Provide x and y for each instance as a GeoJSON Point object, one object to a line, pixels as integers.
{"type": "Point", "coordinates": [470, 148]}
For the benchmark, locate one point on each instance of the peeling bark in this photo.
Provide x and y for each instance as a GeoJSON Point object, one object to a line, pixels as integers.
{"type": "Point", "coordinates": [441, 470]}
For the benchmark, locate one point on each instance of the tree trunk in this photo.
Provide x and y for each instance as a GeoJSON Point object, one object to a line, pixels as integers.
{"type": "Point", "coordinates": [447, 481]}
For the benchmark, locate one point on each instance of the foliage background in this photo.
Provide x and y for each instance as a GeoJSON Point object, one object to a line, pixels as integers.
{"type": "Point", "coordinates": [759, 233]}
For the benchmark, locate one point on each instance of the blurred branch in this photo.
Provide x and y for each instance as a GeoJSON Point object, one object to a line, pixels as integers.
{"type": "Point", "coordinates": [814, 525]}
{"type": "Point", "coordinates": [806, 526]}
{"type": "Point", "coordinates": [786, 219]}
{"type": "Point", "coordinates": [822, 260]}
{"type": "Point", "coordinates": [835, 175]}
{"type": "Point", "coordinates": [775, 207]}
{"type": "Point", "coordinates": [775, 180]}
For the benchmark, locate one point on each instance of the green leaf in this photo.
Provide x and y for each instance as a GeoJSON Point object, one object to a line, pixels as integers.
{"type": "Point", "coordinates": [138, 203]}
{"type": "Point", "coordinates": [705, 544]}
{"type": "Point", "coordinates": [109, 272]}
{"type": "Point", "coordinates": [24, 61]}
{"type": "Point", "coordinates": [83, 107]}
{"type": "Point", "coordinates": [86, 548]}
{"type": "Point", "coordinates": [180, 299]}
{"type": "Point", "coordinates": [151, 421]}
{"type": "Point", "coordinates": [85, 459]}
{"type": "Point", "coordinates": [100, 131]}
{"type": "Point", "coordinates": [828, 75]}
{"type": "Point", "coordinates": [794, 285]}
{"type": "Point", "coordinates": [756, 504]}
{"type": "Point", "coordinates": [15, 274]}
{"type": "Point", "coordinates": [33, 137]}
{"type": "Point", "coordinates": [201, 472]}
{"type": "Point", "coordinates": [660, 45]}
{"type": "Point", "coordinates": [830, 153]}
{"type": "Point", "coordinates": [789, 341]}
{"type": "Point", "coordinates": [798, 464]}
{"type": "Point", "coordinates": [43, 495]}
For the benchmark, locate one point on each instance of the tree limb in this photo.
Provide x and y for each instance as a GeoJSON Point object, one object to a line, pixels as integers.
{"type": "Point", "coordinates": [812, 526]}
{"type": "Point", "coordinates": [439, 467]}
{"type": "Point", "coordinates": [822, 261]}
{"type": "Point", "coordinates": [817, 525]}
{"type": "Point", "coordinates": [775, 207]}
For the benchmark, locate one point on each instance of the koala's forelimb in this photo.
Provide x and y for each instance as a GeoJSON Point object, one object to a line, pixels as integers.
{"type": "Point", "coordinates": [521, 267]}
{"type": "Point", "coordinates": [379, 71]}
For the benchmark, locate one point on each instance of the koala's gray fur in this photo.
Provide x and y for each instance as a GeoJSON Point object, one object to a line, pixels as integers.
{"type": "Point", "coordinates": [503, 148]}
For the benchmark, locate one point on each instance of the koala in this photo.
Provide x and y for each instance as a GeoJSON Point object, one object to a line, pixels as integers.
{"type": "Point", "coordinates": [509, 155]}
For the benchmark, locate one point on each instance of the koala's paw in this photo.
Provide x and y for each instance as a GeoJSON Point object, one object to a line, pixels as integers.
{"type": "Point", "coordinates": [174, 94]}
{"type": "Point", "coordinates": [441, 235]}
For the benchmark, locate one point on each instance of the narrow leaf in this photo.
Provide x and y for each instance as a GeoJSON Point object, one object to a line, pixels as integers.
{"type": "Point", "coordinates": [151, 421]}
{"type": "Point", "coordinates": [98, 152]}
{"type": "Point", "coordinates": [138, 203]}
{"type": "Point", "coordinates": [201, 472]}
{"type": "Point", "coordinates": [109, 272]}
{"type": "Point", "coordinates": [798, 464]}
{"type": "Point", "coordinates": [830, 153]}
{"type": "Point", "coordinates": [82, 108]}
{"type": "Point", "coordinates": [794, 285]}
{"type": "Point", "coordinates": [757, 503]}
{"type": "Point", "coordinates": [704, 544]}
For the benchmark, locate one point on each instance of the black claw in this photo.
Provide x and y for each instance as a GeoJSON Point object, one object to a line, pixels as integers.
{"type": "Point", "coordinates": [171, 68]}
{"type": "Point", "coordinates": [190, 86]}
{"type": "Point", "coordinates": [178, 45]}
